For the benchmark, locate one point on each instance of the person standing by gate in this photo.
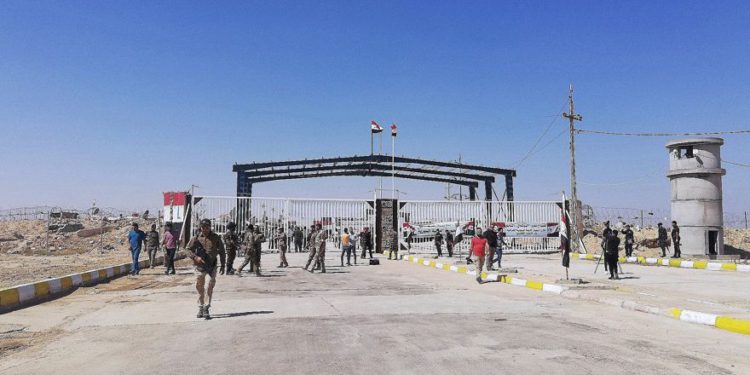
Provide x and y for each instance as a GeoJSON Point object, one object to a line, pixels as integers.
{"type": "Point", "coordinates": [491, 238]}
{"type": "Point", "coordinates": [394, 245]}
{"type": "Point", "coordinates": [345, 249]}
{"type": "Point", "coordinates": [449, 243]}
{"type": "Point", "coordinates": [136, 238]}
{"type": "Point", "coordinates": [297, 236]}
{"type": "Point", "coordinates": [169, 241]}
{"type": "Point", "coordinates": [676, 240]}
{"type": "Point", "coordinates": [203, 250]}
{"type": "Point", "coordinates": [311, 247]}
{"type": "Point", "coordinates": [281, 243]}
{"type": "Point", "coordinates": [320, 247]}
{"type": "Point", "coordinates": [353, 238]}
{"type": "Point", "coordinates": [611, 255]}
{"type": "Point", "coordinates": [662, 239]}
{"type": "Point", "coordinates": [258, 239]}
{"type": "Point", "coordinates": [438, 243]}
{"type": "Point", "coordinates": [629, 240]}
{"type": "Point", "coordinates": [231, 243]}
{"type": "Point", "coordinates": [247, 247]}
{"type": "Point", "coordinates": [152, 245]}
{"type": "Point", "coordinates": [479, 248]}
{"type": "Point", "coordinates": [365, 242]}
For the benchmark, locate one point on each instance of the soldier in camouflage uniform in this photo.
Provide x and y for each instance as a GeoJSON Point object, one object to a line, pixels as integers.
{"type": "Point", "coordinates": [258, 239]}
{"type": "Point", "coordinates": [203, 250]}
{"type": "Point", "coordinates": [152, 245]}
{"type": "Point", "coordinates": [311, 246]}
{"type": "Point", "coordinates": [231, 243]}
{"type": "Point", "coordinates": [281, 242]}
{"type": "Point", "coordinates": [320, 247]}
{"type": "Point", "coordinates": [247, 246]}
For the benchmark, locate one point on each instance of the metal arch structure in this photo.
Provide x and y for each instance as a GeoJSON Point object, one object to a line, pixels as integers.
{"type": "Point", "coordinates": [472, 176]}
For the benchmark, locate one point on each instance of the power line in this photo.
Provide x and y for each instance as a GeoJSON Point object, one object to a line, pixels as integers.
{"type": "Point", "coordinates": [549, 126]}
{"type": "Point", "coordinates": [587, 131]}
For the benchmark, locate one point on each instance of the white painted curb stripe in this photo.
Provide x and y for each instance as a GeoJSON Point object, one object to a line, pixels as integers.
{"type": "Point", "coordinates": [519, 282]}
{"type": "Point", "coordinates": [743, 267]}
{"type": "Point", "coordinates": [438, 265]}
{"type": "Point", "coordinates": [94, 275]}
{"type": "Point", "coordinates": [665, 262]}
{"type": "Point", "coordinates": [714, 266]}
{"type": "Point", "coordinates": [77, 280]}
{"type": "Point", "coordinates": [454, 268]}
{"type": "Point", "coordinates": [651, 260]}
{"type": "Point", "coordinates": [55, 285]}
{"type": "Point", "coordinates": [552, 288]}
{"type": "Point", "coordinates": [698, 317]}
{"type": "Point", "coordinates": [474, 272]}
{"type": "Point", "coordinates": [427, 262]}
{"type": "Point", "coordinates": [110, 272]}
{"type": "Point", "coordinates": [25, 292]}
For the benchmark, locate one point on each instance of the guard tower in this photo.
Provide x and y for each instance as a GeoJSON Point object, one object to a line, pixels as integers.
{"type": "Point", "coordinates": [695, 175]}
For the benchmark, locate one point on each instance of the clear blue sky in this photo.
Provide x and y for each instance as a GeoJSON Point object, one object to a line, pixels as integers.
{"type": "Point", "coordinates": [118, 101]}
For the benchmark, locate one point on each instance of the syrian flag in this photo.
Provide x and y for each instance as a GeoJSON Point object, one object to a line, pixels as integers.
{"type": "Point", "coordinates": [375, 127]}
{"type": "Point", "coordinates": [394, 129]}
{"type": "Point", "coordinates": [565, 238]}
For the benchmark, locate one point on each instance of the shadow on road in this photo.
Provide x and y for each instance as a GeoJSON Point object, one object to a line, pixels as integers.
{"type": "Point", "coordinates": [237, 314]}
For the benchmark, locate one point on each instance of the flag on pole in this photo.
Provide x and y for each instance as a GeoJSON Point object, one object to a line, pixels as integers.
{"type": "Point", "coordinates": [565, 238]}
{"type": "Point", "coordinates": [394, 129]}
{"type": "Point", "coordinates": [375, 128]}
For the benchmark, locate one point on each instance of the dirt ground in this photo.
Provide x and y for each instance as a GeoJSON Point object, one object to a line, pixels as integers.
{"type": "Point", "coordinates": [28, 252]}
{"type": "Point", "coordinates": [736, 238]}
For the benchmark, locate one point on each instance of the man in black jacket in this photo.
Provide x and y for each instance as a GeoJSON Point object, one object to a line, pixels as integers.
{"type": "Point", "coordinates": [491, 238]}
{"type": "Point", "coordinates": [676, 240]}
{"type": "Point", "coordinates": [662, 239]}
{"type": "Point", "coordinates": [629, 240]}
{"type": "Point", "coordinates": [611, 254]}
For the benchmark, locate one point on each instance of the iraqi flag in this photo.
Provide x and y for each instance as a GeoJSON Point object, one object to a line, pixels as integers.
{"type": "Point", "coordinates": [394, 130]}
{"type": "Point", "coordinates": [375, 127]}
{"type": "Point", "coordinates": [565, 238]}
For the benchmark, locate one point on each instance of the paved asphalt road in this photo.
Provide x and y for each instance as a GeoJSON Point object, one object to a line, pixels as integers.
{"type": "Point", "coordinates": [396, 318]}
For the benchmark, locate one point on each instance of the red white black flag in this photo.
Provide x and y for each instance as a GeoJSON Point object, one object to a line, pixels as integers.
{"type": "Point", "coordinates": [565, 238]}
{"type": "Point", "coordinates": [394, 129]}
{"type": "Point", "coordinates": [375, 127]}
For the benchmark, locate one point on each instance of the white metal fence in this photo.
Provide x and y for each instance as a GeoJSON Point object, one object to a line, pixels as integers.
{"type": "Point", "coordinates": [528, 226]}
{"type": "Point", "coordinates": [274, 213]}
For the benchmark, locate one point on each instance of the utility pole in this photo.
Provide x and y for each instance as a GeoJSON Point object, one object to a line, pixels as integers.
{"type": "Point", "coordinates": [745, 219]}
{"type": "Point", "coordinates": [572, 117]}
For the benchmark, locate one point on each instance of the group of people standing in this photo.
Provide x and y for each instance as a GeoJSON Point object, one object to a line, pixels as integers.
{"type": "Point", "coordinates": [487, 244]}
{"type": "Point", "coordinates": [137, 238]}
{"type": "Point", "coordinates": [611, 245]}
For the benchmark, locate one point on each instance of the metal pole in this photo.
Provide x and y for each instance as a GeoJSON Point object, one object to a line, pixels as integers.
{"type": "Point", "coordinates": [393, 166]}
{"type": "Point", "coordinates": [641, 219]}
{"type": "Point", "coordinates": [745, 219]}
{"type": "Point", "coordinates": [380, 179]}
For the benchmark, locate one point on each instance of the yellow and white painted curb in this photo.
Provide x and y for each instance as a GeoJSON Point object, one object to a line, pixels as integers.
{"type": "Point", "coordinates": [25, 294]}
{"type": "Point", "coordinates": [722, 322]}
{"type": "Point", "coordinates": [490, 276]}
{"type": "Point", "coordinates": [672, 262]}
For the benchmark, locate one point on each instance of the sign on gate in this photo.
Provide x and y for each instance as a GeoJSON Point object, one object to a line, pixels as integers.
{"type": "Point", "coordinates": [386, 222]}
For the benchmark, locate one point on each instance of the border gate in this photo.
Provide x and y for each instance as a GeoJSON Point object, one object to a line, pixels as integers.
{"type": "Point", "coordinates": [530, 227]}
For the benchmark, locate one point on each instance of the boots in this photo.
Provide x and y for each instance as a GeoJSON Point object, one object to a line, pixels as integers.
{"type": "Point", "coordinates": [200, 312]}
{"type": "Point", "coordinates": [206, 314]}
{"type": "Point", "coordinates": [322, 267]}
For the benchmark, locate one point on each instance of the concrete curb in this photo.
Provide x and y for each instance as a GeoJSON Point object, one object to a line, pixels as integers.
{"type": "Point", "coordinates": [722, 322]}
{"type": "Point", "coordinates": [20, 296]}
{"type": "Point", "coordinates": [492, 276]}
{"type": "Point", "coordinates": [672, 262]}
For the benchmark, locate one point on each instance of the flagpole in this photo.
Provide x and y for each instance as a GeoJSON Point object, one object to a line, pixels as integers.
{"type": "Point", "coordinates": [380, 179]}
{"type": "Point", "coordinates": [393, 166]}
{"type": "Point", "coordinates": [564, 215]}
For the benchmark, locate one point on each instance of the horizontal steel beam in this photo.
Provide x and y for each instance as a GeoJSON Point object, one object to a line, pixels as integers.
{"type": "Point", "coordinates": [367, 167]}
{"type": "Point", "coordinates": [363, 173]}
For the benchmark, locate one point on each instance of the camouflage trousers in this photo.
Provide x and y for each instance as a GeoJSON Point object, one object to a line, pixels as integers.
{"type": "Point", "coordinates": [200, 285]}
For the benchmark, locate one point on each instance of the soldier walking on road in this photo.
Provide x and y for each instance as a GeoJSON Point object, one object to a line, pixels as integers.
{"type": "Point", "coordinates": [247, 246]}
{"type": "Point", "coordinates": [203, 250]}
{"type": "Point", "coordinates": [258, 239]}
{"type": "Point", "coordinates": [629, 240]}
{"type": "Point", "coordinates": [297, 236]}
{"type": "Point", "coordinates": [438, 243]}
{"type": "Point", "coordinates": [135, 238]}
{"type": "Point", "coordinates": [152, 245]}
{"type": "Point", "coordinates": [231, 243]}
{"type": "Point", "coordinates": [311, 247]}
{"type": "Point", "coordinates": [663, 238]}
{"type": "Point", "coordinates": [281, 241]}
{"type": "Point", "coordinates": [365, 242]}
{"type": "Point", "coordinates": [320, 247]}
{"type": "Point", "coordinates": [676, 240]}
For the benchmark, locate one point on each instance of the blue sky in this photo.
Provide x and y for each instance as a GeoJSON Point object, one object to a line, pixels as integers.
{"type": "Point", "coordinates": [119, 101]}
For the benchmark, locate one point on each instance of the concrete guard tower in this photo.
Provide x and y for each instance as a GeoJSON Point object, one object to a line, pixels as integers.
{"type": "Point", "coordinates": [695, 174]}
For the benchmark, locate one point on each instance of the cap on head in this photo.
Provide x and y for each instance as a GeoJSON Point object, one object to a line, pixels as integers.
{"type": "Point", "coordinates": [231, 225]}
{"type": "Point", "coordinates": [658, 224]}
{"type": "Point", "coordinates": [205, 223]}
